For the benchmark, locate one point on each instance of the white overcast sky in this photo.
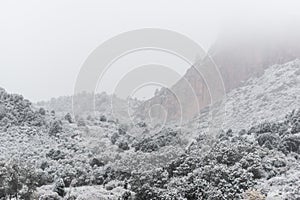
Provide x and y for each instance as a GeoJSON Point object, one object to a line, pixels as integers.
{"type": "Point", "coordinates": [44, 43]}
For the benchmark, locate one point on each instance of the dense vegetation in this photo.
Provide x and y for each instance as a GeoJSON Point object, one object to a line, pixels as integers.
{"type": "Point", "coordinates": [39, 148]}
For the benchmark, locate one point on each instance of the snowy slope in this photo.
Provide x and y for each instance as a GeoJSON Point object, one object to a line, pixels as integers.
{"type": "Point", "coordinates": [268, 97]}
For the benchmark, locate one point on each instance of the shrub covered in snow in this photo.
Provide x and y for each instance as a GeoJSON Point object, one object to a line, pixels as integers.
{"type": "Point", "coordinates": [17, 180]}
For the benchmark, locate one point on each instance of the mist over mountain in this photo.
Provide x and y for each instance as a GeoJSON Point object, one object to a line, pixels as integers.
{"type": "Point", "coordinates": [254, 154]}
{"type": "Point", "coordinates": [239, 53]}
{"type": "Point", "coordinates": [109, 106]}
{"type": "Point", "coordinates": [228, 129]}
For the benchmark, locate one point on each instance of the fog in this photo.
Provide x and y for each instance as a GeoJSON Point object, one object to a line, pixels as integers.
{"type": "Point", "coordinates": [43, 44]}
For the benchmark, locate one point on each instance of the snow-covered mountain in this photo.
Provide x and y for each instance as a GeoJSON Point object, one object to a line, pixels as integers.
{"type": "Point", "coordinates": [266, 97]}
{"type": "Point", "coordinates": [108, 106]}
{"type": "Point", "coordinates": [238, 55]}
{"type": "Point", "coordinates": [256, 155]}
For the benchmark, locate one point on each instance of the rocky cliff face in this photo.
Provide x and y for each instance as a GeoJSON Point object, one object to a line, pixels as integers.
{"type": "Point", "coordinates": [238, 56]}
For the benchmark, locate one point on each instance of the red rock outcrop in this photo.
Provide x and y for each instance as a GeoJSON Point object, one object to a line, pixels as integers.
{"type": "Point", "coordinates": [238, 56]}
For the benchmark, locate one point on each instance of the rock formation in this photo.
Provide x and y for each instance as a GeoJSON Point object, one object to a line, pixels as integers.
{"type": "Point", "coordinates": [238, 54]}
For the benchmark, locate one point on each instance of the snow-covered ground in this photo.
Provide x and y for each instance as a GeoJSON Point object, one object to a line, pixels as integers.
{"type": "Point", "coordinates": [267, 97]}
{"type": "Point", "coordinates": [102, 155]}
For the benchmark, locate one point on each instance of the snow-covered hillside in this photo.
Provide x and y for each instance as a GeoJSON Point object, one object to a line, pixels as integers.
{"type": "Point", "coordinates": [255, 156]}
{"type": "Point", "coordinates": [266, 97]}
